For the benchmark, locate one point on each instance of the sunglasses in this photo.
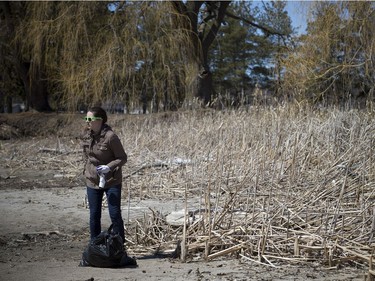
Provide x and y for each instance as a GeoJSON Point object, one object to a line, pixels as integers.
{"type": "Point", "coordinates": [89, 119]}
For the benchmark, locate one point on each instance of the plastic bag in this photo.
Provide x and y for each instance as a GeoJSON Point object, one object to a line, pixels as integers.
{"type": "Point", "coordinates": [106, 250]}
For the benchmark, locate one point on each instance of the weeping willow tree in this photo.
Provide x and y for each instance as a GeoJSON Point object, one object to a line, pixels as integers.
{"type": "Point", "coordinates": [140, 53]}
{"type": "Point", "coordinates": [16, 66]}
{"type": "Point", "coordinates": [335, 60]}
{"type": "Point", "coordinates": [93, 52]}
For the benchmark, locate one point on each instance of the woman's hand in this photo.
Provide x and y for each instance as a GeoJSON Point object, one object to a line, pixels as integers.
{"type": "Point", "coordinates": [103, 169]}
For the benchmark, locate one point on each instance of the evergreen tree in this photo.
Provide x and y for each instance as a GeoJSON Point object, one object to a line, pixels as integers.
{"type": "Point", "coordinates": [244, 57]}
{"type": "Point", "coordinates": [233, 55]}
{"type": "Point", "coordinates": [275, 46]}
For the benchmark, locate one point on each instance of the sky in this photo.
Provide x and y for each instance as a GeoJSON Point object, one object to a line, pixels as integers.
{"type": "Point", "coordinates": [297, 14]}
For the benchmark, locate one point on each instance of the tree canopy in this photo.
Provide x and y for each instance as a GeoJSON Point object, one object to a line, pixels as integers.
{"type": "Point", "coordinates": [335, 59]}
{"type": "Point", "coordinates": [161, 55]}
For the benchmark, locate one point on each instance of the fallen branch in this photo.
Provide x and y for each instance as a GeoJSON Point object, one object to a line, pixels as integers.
{"type": "Point", "coordinates": [45, 233]}
{"type": "Point", "coordinates": [359, 255]}
{"type": "Point", "coordinates": [226, 251]}
{"type": "Point", "coordinates": [58, 151]}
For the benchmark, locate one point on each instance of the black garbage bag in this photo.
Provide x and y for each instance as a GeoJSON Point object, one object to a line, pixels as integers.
{"type": "Point", "coordinates": [106, 250]}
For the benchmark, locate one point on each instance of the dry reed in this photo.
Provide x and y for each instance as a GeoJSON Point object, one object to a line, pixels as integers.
{"type": "Point", "coordinates": [275, 185]}
{"type": "Point", "coordinates": [272, 185]}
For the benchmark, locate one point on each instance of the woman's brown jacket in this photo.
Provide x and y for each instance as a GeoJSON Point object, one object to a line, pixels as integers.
{"type": "Point", "coordinates": [104, 148]}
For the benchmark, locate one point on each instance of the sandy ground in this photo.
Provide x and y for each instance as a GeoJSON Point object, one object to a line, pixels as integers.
{"type": "Point", "coordinates": [45, 229]}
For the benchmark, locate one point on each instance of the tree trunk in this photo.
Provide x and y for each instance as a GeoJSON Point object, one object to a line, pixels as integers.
{"type": "Point", "coordinates": [35, 86]}
{"type": "Point", "coordinates": [35, 89]}
{"type": "Point", "coordinates": [39, 95]}
{"type": "Point", "coordinates": [201, 40]}
{"type": "Point", "coordinates": [2, 102]}
{"type": "Point", "coordinates": [144, 101]}
{"type": "Point", "coordinates": [205, 86]}
{"type": "Point", "coordinates": [9, 104]}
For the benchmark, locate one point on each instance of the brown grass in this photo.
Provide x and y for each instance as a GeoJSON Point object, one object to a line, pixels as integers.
{"type": "Point", "coordinates": [270, 185]}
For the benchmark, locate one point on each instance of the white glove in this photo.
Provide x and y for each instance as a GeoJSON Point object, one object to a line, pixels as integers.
{"type": "Point", "coordinates": [103, 169]}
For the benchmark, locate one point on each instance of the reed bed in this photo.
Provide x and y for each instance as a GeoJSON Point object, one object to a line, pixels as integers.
{"type": "Point", "coordinates": [271, 185]}
{"type": "Point", "coordinates": [274, 185]}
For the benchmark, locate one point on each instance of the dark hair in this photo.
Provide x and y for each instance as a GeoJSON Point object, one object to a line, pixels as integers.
{"type": "Point", "coordinates": [99, 112]}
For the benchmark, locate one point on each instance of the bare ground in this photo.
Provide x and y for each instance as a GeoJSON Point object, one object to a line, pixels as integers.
{"type": "Point", "coordinates": [44, 227]}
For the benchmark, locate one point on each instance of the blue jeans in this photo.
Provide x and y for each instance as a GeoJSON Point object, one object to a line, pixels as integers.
{"type": "Point", "coordinates": [95, 198]}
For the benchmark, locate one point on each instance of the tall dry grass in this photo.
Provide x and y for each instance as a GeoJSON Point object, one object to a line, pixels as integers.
{"type": "Point", "coordinates": [287, 183]}
{"type": "Point", "coordinates": [268, 184]}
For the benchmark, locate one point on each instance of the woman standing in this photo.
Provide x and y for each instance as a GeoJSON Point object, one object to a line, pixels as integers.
{"type": "Point", "coordinates": [104, 155]}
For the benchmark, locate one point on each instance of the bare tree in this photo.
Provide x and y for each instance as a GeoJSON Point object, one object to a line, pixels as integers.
{"type": "Point", "coordinates": [335, 60]}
